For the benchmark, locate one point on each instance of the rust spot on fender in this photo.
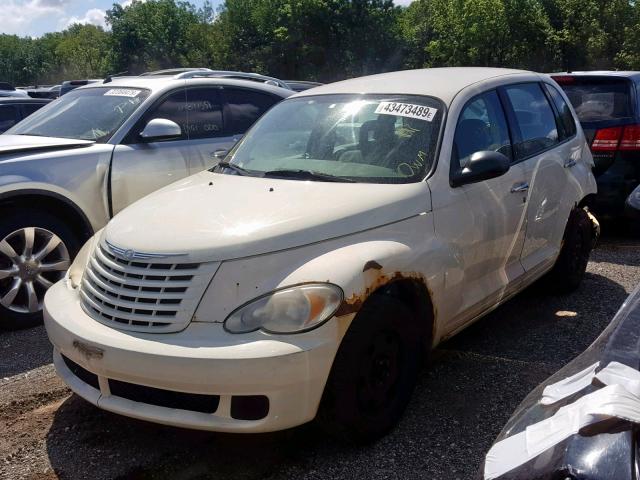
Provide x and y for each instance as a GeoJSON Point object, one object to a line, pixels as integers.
{"type": "Point", "coordinates": [371, 265]}
{"type": "Point", "coordinates": [374, 279]}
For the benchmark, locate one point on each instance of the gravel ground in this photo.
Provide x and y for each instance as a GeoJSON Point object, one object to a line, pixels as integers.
{"type": "Point", "coordinates": [461, 402]}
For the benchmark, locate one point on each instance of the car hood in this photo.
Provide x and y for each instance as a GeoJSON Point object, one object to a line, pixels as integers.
{"type": "Point", "coordinates": [607, 455]}
{"type": "Point", "coordinates": [213, 216]}
{"type": "Point", "coordinates": [22, 143]}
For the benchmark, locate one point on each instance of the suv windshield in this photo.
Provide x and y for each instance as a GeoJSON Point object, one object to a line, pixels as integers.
{"type": "Point", "coordinates": [84, 114]}
{"type": "Point", "coordinates": [363, 138]}
{"type": "Point", "coordinates": [598, 99]}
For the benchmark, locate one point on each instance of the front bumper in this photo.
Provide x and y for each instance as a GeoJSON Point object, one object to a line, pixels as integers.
{"type": "Point", "coordinates": [290, 371]}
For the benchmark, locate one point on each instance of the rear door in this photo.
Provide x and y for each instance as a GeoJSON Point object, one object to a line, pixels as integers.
{"type": "Point", "coordinates": [139, 167]}
{"type": "Point", "coordinates": [208, 140]}
{"type": "Point", "coordinates": [219, 117]}
{"type": "Point", "coordinates": [545, 150]}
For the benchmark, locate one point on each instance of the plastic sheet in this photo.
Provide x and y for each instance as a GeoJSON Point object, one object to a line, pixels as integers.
{"type": "Point", "coordinates": [606, 448]}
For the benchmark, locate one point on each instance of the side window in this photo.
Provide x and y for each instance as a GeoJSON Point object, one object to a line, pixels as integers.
{"type": "Point", "coordinates": [29, 108]}
{"type": "Point", "coordinates": [481, 126]}
{"type": "Point", "coordinates": [171, 108]}
{"type": "Point", "coordinates": [204, 113]}
{"type": "Point", "coordinates": [564, 112]}
{"type": "Point", "coordinates": [245, 107]}
{"type": "Point", "coordinates": [534, 118]}
{"type": "Point", "coordinates": [8, 117]}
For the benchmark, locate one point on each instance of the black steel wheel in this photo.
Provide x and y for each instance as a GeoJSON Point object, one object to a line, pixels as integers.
{"type": "Point", "coordinates": [374, 372]}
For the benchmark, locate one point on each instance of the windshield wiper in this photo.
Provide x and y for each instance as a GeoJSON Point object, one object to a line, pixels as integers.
{"type": "Point", "coordinates": [235, 168]}
{"type": "Point", "coordinates": [308, 175]}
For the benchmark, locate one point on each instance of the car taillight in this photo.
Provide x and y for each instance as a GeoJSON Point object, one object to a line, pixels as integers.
{"type": "Point", "coordinates": [607, 139]}
{"type": "Point", "coordinates": [630, 138]}
{"type": "Point", "coordinates": [564, 79]}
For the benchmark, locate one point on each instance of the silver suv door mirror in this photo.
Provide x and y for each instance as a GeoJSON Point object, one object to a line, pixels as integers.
{"type": "Point", "coordinates": [160, 129]}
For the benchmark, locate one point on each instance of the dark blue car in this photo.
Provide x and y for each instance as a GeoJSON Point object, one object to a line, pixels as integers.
{"type": "Point", "coordinates": [608, 107]}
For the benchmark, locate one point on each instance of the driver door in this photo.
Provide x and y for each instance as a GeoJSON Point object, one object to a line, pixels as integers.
{"type": "Point", "coordinates": [483, 222]}
{"type": "Point", "coordinates": [140, 167]}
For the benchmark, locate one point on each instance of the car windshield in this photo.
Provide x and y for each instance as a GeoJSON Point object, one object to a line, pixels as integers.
{"type": "Point", "coordinates": [362, 138]}
{"type": "Point", "coordinates": [598, 99]}
{"type": "Point", "coordinates": [84, 114]}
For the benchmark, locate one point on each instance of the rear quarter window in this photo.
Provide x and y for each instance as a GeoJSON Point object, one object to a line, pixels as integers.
{"type": "Point", "coordinates": [564, 112]}
{"type": "Point", "coordinates": [244, 107]}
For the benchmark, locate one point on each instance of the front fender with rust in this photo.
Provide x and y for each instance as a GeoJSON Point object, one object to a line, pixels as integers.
{"type": "Point", "coordinates": [359, 264]}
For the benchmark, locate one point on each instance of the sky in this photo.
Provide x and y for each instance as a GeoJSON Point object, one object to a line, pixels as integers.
{"type": "Point", "coordinates": [33, 18]}
{"type": "Point", "coordinates": [36, 17]}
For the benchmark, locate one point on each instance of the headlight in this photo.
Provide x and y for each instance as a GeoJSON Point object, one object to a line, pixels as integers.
{"type": "Point", "coordinates": [290, 310]}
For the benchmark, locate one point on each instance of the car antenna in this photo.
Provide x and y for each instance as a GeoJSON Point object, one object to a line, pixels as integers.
{"type": "Point", "coordinates": [109, 78]}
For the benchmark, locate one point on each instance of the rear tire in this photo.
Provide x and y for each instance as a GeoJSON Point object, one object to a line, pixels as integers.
{"type": "Point", "coordinates": [569, 269]}
{"type": "Point", "coordinates": [374, 372]}
{"type": "Point", "coordinates": [36, 249]}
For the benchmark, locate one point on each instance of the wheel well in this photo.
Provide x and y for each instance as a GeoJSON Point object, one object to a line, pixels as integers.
{"type": "Point", "coordinates": [416, 296]}
{"type": "Point", "coordinates": [587, 201]}
{"type": "Point", "coordinates": [52, 204]}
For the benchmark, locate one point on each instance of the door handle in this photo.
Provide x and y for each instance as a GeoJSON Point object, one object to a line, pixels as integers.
{"type": "Point", "coordinates": [569, 163]}
{"type": "Point", "coordinates": [219, 154]}
{"type": "Point", "coordinates": [520, 187]}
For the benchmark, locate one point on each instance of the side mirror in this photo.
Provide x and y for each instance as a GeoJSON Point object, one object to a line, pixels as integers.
{"type": "Point", "coordinates": [160, 129]}
{"type": "Point", "coordinates": [481, 166]}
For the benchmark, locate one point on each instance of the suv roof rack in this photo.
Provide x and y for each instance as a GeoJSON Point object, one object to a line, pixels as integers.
{"type": "Point", "coordinates": [203, 72]}
{"type": "Point", "coordinates": [256, 77]}
{"type": "Point", "coordinates": [174, 71]}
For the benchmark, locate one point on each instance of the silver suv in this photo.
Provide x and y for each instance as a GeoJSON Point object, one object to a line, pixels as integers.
{"type": "Point", "coordinates": [74, 164]}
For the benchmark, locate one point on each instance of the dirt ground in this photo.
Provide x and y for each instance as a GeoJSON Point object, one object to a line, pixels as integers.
{"type": "Point", "coordinates": [460, 404]}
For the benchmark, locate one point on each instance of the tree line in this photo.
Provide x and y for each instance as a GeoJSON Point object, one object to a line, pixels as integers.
{"type": "Point", "coordinates": [327, 40]}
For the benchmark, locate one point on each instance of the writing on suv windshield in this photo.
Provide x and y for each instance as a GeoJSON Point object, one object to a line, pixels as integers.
{"type": "Point", "coordinates": [363, 138]}
{"type": "Point", "coordinates": [83, 114]}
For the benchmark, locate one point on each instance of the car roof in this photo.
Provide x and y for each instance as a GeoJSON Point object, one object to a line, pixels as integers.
{"type": "Point", "coordinates": [442, 83]}
{"type": "Point", "coordinates": [599, 73]}
{"type": "Point", "coordinates": [24, 100]}
{"type": "Point", "coordinates": [163, 83]}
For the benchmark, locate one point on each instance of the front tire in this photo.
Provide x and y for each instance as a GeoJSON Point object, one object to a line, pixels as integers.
{"type": "Point", "coordinates": [36, 249]}
{"type": "Point", "coordinates": [374, 372]}
{"type": "Point", "coordinates": [569, 269]}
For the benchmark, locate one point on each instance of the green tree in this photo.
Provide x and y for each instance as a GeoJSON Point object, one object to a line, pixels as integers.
{"type": "Point", "coordinates": [84, 52]}
{"type": "Point", "coordinates": [628, 55]}
{"type": "Point", "coordinates": [509, 33]}
{"type": "Point", "coordinates": [151, 35]}
{"type": "Point", "coordinates": [577, 32]}
{"type": "Point", "coordinates": [321, 39]}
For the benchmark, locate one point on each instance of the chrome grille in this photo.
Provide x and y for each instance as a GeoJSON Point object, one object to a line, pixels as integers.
{"type": "Point", "coordinates": [142, 296]}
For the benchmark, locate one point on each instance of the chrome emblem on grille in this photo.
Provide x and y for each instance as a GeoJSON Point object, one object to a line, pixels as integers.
{"type": "Point", "coordinates": [130, 254]}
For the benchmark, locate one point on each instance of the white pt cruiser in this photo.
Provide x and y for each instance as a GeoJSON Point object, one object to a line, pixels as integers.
{"type": "Point", "coordinates": [355, 227]}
